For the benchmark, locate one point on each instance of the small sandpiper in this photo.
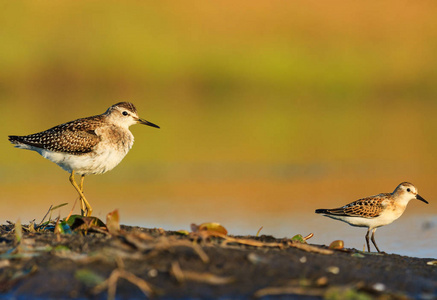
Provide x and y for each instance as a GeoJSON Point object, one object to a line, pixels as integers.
{"type": "Point", "coordinates": [92, 145]}
{"type": "Point", "coordinates": [375, 211]}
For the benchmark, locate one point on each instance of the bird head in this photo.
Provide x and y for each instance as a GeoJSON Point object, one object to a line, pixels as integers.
{"type": "Point", "coordinates": [406, 191]}
{"type": "Point", "coordinates": [125, 114]}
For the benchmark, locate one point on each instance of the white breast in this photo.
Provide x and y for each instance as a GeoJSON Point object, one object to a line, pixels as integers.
{"type": "Point", "coordinates": [107, 154]}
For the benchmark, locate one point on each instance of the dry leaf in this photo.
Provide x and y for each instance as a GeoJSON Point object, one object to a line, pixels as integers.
{"type": "Point", "coordinates": [113, 222]}
{"type": "Point", "coordinates": [337, 245]}
{"type": "Point", "coordinates": [212, 226]}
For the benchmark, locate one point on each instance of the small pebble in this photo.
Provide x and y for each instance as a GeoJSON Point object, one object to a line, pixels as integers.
{"type": "Point", "coordinates": [256, 259]}
{"type": "Point", "coordinates": [333, 269]}
{"type": "Point", "coordinates": [4, 263]}
{"type": "Point", "coordinates": [322, 281]}
{"type": "Point", "coordinates": [380, 287]}
{"type": "Point", "coordinates": [152, 273]}
{"type": "Point", "coordinates": [303, 259]}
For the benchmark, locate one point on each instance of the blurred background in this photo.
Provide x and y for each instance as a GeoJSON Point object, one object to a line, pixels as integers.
{"type": "Point", "coordinates": [268, 110]}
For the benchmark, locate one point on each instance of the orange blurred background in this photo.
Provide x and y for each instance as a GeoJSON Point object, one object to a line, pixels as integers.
{"type": "Point", "coordinates": [268, 110]}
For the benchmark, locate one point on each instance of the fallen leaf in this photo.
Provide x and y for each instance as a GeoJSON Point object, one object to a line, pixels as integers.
{"type": "Point", "coordinates": [62, 227]}
{"type": "Point", "coordinates": [182, 232]}
{"type": "Point", "coordinates": [18, 232]}
{"type": "Point", "coordinates": [88, 277]}
{"type": "Point", "coordinates": [211, 226]}
{"type": "Point", "coordinates": [358, 255]}
{"type": "Point", "coordinates": [298, 238]}
{"type": "Point", "coordinates": [78, 223]}
{"type": "Point", "coordinates": [113, 222]}
{"type": "Point", "coordinates": [61, 248]}
{"type": "Point", "coordinates": [288, 290]}
{"type": "Point", "coordinates": [336, 245]}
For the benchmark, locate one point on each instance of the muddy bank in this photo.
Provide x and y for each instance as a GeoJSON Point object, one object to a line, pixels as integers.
{"type": "Point", "coordinates": [135, 262]}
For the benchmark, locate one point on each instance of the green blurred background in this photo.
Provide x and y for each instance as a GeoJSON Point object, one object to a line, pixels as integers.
{"type": "Point", "coordinates": [268, 109]}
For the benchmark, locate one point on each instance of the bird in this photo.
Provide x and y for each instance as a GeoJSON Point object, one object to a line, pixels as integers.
{"type": "Point", "coordinates": [91, 145]}
{"type": "Point", "coordinates": [375, 211]}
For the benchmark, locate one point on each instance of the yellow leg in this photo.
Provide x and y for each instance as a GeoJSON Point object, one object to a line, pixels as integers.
{"type": "Point", "coordinates": [82, 196]}
{"type": "Point", "coordinates": [82, 203]}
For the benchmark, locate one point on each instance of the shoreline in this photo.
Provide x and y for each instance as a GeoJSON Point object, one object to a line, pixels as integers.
{"type": "Point", "coordinates": [138, 261]}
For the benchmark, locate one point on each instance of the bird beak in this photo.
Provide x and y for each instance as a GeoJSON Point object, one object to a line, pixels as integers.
{"type": "Point", "coordinates": [418, 197]}
{"type": "Point", "coordinates": [144, 122]}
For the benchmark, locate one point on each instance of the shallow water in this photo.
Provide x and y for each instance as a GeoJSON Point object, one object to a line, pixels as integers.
{"type": "Point", "coordinates": [410, 236]}
{"type": "Point", "coordinates": [280, 201]}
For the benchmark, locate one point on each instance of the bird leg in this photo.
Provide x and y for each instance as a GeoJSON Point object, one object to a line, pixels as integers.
{"type": "Point", "coordinates": [82, 196]}
{"type": "Point", "coordinates": [82, 204]}
{"type": "Point", "coordinates": [367, 239]}
{"type": "Point", "coordinates": [373, 239]}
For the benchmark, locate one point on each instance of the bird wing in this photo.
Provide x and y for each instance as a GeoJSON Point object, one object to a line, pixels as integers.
{"type": "Point", "coordinates": [369, 207]}
{"type": "Point", "coordinates": [75, 137]}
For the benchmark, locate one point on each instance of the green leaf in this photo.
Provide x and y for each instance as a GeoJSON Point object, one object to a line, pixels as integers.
{"type": "Point", "coordinates": [359, 255]}
{"type": "Point", "coordinates": [182, 232]}
{"type": "Point", "coordinates": [61, 248]}
{"type": "Point", "coordinates": [63, 228]}
{"type": "Point", "coordinates": [58, 206]}
{"type": "Point", "coordinates": [298, 238]}
{"type": "Point", "coordinates": [72, 218]}
{"type": "Point", "coordinates": [88, 277]}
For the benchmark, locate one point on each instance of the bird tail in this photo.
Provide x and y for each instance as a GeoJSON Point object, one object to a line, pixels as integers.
{"type": "Point", "coordinates": [19, 142]}
{"type": "Point", "coordinates": [321, 211]}
{"type": "Point", "coordinates": [14, 139]}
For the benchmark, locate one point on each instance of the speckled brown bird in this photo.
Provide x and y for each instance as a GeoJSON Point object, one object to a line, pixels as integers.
{"type": "Point", "coordinates": [92, 145]}
{"type": "Point", "coordinates": [375, 211]}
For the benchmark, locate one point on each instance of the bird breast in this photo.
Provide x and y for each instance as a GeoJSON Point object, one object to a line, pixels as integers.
{"type": "Point", "coordinates": [117, 138]}
{"type": "Point", "coordinates": [114, 144]}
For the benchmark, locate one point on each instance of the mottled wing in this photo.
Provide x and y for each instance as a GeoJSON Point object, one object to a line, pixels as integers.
{"type": "Point", "coordinates": [75, 137]}
{"type": "Point", "coordinates": [369, 207]}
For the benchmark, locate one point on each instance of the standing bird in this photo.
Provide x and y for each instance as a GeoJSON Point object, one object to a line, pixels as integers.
{"type": "Point", "coordinates": [92, 145]}
{"type": "Point", "coordinates": [375, 211]}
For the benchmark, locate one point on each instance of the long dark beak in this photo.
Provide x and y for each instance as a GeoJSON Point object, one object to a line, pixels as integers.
{"type": "Point", "coordinates": [144, 122]}
{"type": "Point", "coordinates": [418, 197]}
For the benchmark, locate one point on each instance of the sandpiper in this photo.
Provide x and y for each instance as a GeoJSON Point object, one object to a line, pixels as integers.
{"type": "Point", "coordinates": [375, 211]}
{"type": "Point", "coordinates": [92, 145]}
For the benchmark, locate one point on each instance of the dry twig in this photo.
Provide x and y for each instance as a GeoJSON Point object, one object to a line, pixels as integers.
{"type": "Point", "coordinates": [111, 283]}
{"type": "Point", "coordinates": [204, 277]}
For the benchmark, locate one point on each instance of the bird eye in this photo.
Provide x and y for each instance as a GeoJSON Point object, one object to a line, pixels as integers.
{"type": "Point", "coordinates": [125, 113]}
{"type": "Point", "coordinates": [408, 190]}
